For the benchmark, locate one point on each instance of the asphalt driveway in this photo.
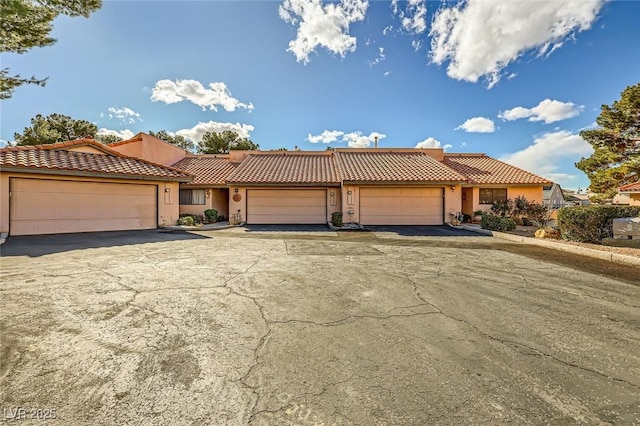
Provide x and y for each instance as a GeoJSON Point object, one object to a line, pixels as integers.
{"type": "Point", "coordinates": [266, 327]}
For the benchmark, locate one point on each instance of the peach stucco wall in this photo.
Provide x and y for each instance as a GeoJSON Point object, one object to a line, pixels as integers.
{"type": "Point", "coordinates": [217, 199]}
{"type": "Point", "coordinates": [167, 195]}
{"type": "Point", "coordinates": [634, 199]}
{"type": "Point", "coordinates": [531, 193]}
{"type": "Point", "coordinates": [152, 149]}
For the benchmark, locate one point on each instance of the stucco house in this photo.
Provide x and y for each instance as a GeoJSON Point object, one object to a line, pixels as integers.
{"type": "Point", "coordinates": [372, 186]}
{"type": "Point", "coordinates": [82, 186]}
{"type": "Point", "coordinates": [552, 196]}
{"type": "Point", "coordinates": [633, 190]}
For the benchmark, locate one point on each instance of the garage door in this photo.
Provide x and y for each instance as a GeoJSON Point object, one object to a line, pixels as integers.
{"type": "Point", "coordinates": [40, 206]}
{"type": "Point", "coordinates": [286, 206]}
{"type": "Point", "coordinates": [401, 206]}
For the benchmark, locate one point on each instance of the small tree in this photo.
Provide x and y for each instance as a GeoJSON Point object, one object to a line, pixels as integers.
{"type": "Point", "coordinates": [616, 143]}
{"type": "Point", "coordinates": [55, 128]}
{"type": "Point", "coordinates": [177, 140]}
{"type": "Point", "coordinates": [223, 142]}
{"type": "Point", "coordinates": [25, 24]}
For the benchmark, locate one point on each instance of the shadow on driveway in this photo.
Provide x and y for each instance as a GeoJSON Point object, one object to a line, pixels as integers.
{"type": "Point", "coordinates": [287, 228]}
{"type": "Point", "coordinates": [424, 231]}
{"type": "Point", "coordinates": [40, 245]}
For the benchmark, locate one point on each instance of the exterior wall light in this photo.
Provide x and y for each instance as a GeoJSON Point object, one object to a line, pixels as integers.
{"type": "Point", "coordinates": [236, 190]}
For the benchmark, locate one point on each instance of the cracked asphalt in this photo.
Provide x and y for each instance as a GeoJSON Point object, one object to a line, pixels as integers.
{"type": "Point", "coordinates": [250, 327]}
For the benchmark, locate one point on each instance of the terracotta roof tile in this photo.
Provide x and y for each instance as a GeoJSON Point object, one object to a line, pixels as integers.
{"type": "Point", "coordinates": [482, 169]}
{"type": "Point", "coordinates": [390, 166]}
{"type": "Point", "coordinates": [287, 168]}
{"type": "Point", "coordinates": [207, 170]}
{"type": "Point", "coordinates": [631, 187]}
{"type": "Point", "coordinates": [55, 157]}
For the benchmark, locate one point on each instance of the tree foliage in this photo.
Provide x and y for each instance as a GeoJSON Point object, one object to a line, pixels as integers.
{"type": "Point", "coordinates": [177, 140]}
{"type": "Point", "coordinates": [223, 142]}
{"type": "Point", "coordinates": [25, 24]}
{"type": "Point", "coordinates": [616, 143]}
{"type": "Point", "coordinates": [55, 128]}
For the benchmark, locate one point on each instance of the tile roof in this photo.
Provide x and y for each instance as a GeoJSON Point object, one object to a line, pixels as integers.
{"type": "Point", "coordinates": [390, 166]}
{"type": "Point", "coordinates": [207, 169]}
{"type": "Point", "coordinates": [482, 169]}
{"type": "Point", "coordinates": [56, 158]}
{"type": "Point", "coordinates": [287, 168]}
{"type": "Point", "coordinates": [631, 187]}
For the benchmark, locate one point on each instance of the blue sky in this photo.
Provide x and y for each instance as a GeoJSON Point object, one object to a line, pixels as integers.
{"type": "Point", "coordinates": [514, 79]}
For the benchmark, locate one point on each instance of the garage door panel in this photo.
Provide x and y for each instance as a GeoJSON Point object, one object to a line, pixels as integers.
{"type": "Point", "coordinates": [286, 206]}
{"type": "Point", "coordinates": [401, 206]}
{"type": "Point", "coordinates": [40, 206]}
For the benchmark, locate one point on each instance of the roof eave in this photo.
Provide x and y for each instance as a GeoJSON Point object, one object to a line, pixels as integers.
{"type": "Point", "coordinates": [305, 184]}
{"type": "Point", "coordinates": [64, 172]}
{"type": "Point", "coordinates": [402, 182]}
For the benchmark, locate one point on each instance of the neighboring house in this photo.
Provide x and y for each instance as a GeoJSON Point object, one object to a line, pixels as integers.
{"type": "Point", "coordinates": [84, 186]}
{"type": "Point", "coordinates": [372, 186]}
{"type": "Point", "coordinates": [633, 190]}
{"type": "Point", "coordinates": [574, 198]}
{"type": "Point", "coordinates": [552, 196]}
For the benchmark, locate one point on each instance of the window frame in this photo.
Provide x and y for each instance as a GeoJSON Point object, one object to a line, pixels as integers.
{"type": "Point", "coordinates": [482, 199]}
{"type": "Point", "coordinates": [190, 199]}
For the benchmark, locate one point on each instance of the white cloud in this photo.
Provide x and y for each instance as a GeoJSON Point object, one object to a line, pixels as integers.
{"type": "Point", "coordinates": [548, 111]}
{"type": "Point", "coordinates": [416, 44]}
{"type": "Point", "coordinates": [386, 73]}
{"type": "Point", "coordinates": [387, 30]}
{"type": "Point", "coordinates": [125, 115]}
{"type": "Point", "coordinates": [480, 38]}
{"type": "Point", "coordinates": [414, 17]}
{"type": "Point", "coordinates": [477, 125]}
{"type": "Point", "coordinates": [195, 133]}
{"type": "Point", "coordinates": [326, 136]}
{"type": "Point", "coordinates": [217, 94]}
{"type": "Point", "coordinates": [358, 140]}
{"type": "Point", "coordinates": [432, 143]}
{"type": "Point", "coordinates": [551, 155]}
{"type": "Point", "coordinates": [381, 57]}
{"type": "Point", "coordinates": [354, 139]}
{"type": "Point", "coordinates": [4, 144]}
{"type": "Point", "coordinates": [322, 25]}
{"type": "Point", "coordinates": [122, 134]}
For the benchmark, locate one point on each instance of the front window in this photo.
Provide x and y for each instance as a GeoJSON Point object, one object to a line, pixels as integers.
{"type": "Point", "coordinates": [491, 195]}
{"type": "Point", "coordinates": [191, 197]}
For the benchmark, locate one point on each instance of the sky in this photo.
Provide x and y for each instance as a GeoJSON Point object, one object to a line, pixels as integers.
{"type": "Point", "coordinates": [514, 79]}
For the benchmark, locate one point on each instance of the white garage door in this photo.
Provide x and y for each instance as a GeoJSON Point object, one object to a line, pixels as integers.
{"type": "Point", "coordinates": [40, 206]}
{"type": "Point", "coordinates": [401, 206]}
{"type": "Point", "coordinates": [286, 206]}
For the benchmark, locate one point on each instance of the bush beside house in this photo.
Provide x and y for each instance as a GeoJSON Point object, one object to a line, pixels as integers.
{"type": "Point", "coordinates": [506, 215]}
{"type": "Point", "coordinates": [591, 224]}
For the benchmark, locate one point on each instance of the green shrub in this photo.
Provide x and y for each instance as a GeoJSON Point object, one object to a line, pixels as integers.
{"type": "Point", "coordinates": [211, 215]}
{"type": "Point", "coordinates": [186, 221]}
{"type": "Point", "coordinates": [591, 224]}
{"type": "Point", "coordinates": [197, 219]}
{"type": "Point", "coordinates": [336, 219]}
{"type": "Point", "coordinates": [502, 208]}
{"type": "Point", "coordinates": [497, 223]}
